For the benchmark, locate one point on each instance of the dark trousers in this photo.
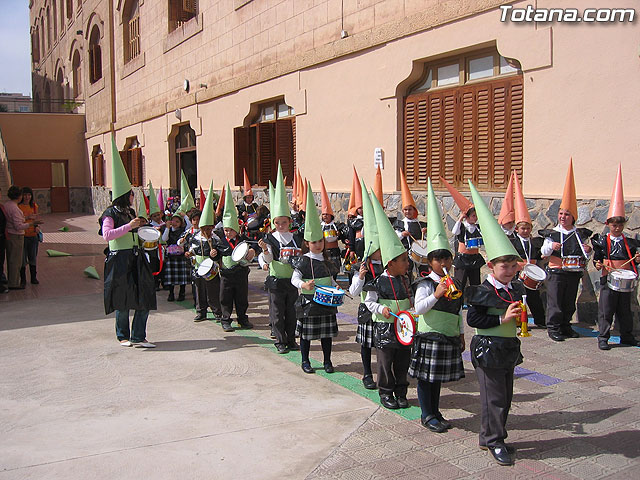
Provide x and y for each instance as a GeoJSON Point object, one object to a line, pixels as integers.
{"type": "Point", "coordinates": [462, 275]}
{"type": "Point", "coordinates": [534, 302]}
{"type": "Point", "coordinates": [429, 398]}
{"type": "Point", "coordinates": [30, 251]}
{"type": "Point", "coordinates": [3, 277]}
{"type": "Point", "coordinates": [282, 311]}
{"type": "Point", "coordinates": [234, 289]}
{"type": "Point", "coordinates": [393, 364]}
{"type": "Point", "coordinates": [138, 331]}
{"type": "Point", "coordinates": [496, 393]}
{"type": "Point", "coordinates": [614, 303]}
{"type": "Point", "coordinates": [208, 295]}
{"type": "Point", "coordinates": [562, 291]}
{"type": "Point", "coordinates": [365, 355]}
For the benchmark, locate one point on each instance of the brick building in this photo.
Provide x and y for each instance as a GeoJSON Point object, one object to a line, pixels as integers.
{"type": "Point", "coordinates": [440, 87]}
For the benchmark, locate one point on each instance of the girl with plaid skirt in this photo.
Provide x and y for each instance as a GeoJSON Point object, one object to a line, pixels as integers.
{"type": "Point", "coordinates": [370, 269]}
{"type": "Point", "coordinates": [314, 321]}
{"type": "Point", "coordinates": [177, 267]}
{"type": "Point", "coordinates": [439, 342]}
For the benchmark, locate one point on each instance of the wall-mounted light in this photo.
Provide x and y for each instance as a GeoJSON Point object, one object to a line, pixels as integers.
{"type": "Point", "coordinates": [178, 114]}
{"type": "Point", "coordinates": [204, 85]}
{"type": "Point", "coordinates": [344, 34]}
{"type": "Point", "coordinates": [78, 32]}
{"type": "Point", "coordinates": [185, 85]}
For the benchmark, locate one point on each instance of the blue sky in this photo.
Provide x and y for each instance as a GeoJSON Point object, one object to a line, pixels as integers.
{"type": "Point", "coordinates": [15, 51]}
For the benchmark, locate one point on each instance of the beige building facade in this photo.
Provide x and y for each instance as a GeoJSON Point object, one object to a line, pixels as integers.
{"type": "Point", "coordinates": [434, 87]}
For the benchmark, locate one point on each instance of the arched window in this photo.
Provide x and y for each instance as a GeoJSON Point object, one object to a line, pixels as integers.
{"type": "Point", "coordinates": [131, 30]}
{"type": "Point", "coordinates": [181, 11]}
{"type": "Point", "coordinates": [97, 161]}
{"type": "Point", "coordinates": [132, 160]}
{"type": "Point", "coordinates": [48, 28]}
{"type": "Point", "coordinates": [44, 50]}
{"type": "Point", "coordinates": [77, 74]}
{"type": "Point", "coordinates": [62, 16]}
{"type": "Point", "coordinates": [69, 9]}
{"type": "Point", "coordinates": [55, 20]}
{"type": "Point", "coordinates": [95, 55]}
{"type": "Point", "coordinates": [35, 46]}
{"type": "Point", "coordinates": [59, 97]}
{"type": "Point", "coordinates": [46, 104]}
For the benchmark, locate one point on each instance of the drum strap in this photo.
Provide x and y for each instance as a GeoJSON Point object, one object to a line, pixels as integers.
{"type": "Point", "coordinates": [527, 251]}
{"type": "Point", "coordinates": [624, 239]}
{"type": "Point", "coordinates": [160, 258]}
{"type": "Point", "coordinates": [395, 297]}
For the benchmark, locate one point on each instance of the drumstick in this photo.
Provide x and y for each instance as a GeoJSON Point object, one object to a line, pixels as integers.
{"type": "Point", "coordinates": [609, 267]}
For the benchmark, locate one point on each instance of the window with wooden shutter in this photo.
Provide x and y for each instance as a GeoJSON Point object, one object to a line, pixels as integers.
{"type": "Point", "coordinates": [131, 30]}
{"type": "Point", "coordinates": [259, 148]}
{"type": "Point", "coordinates": [180, 12]}
{"type": "Point", "coordinates": [136, 167]}
{"type": "Point", "coordinates": [472, 131]}
{"type": "Point", "coordinates": [98, 169]}
{"type": "Point", "coordinates": [95, 56]}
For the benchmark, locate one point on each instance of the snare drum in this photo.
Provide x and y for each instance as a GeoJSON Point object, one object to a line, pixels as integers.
{"type": "Point", "coordinates": [207, 269]}
{"type": "Point", "coordinates": [405, 327]}
{"type": "Point", "coordinates": [240, 254]}
{"type": "Point", "coordinates": [330, 235]}
{"type": "Point", "coordinates": [149, 237]}
{"type": "Point", "coordinates": [622, 280]}
{"type": "Point", "coordinates": [473, 242]}
{"type": "Point", "coordinates": [253, 221]}
{"type": "Point", "coordinates": [532, 276]}
{"type": "Point", "coordinates": [574, 263]}
{"type": "Point", "coordinates": [329, 296]}
{"type": "Point", "coordinates": [286, 253]}
{"type": "Point", "coordinates": [418, 252]}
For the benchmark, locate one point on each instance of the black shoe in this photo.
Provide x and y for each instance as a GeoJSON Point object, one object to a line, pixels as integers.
{"type": "Point", "coordinates": [226, 327]}
{"type": "Point", "coordinates": [571, 333]}
{"type": "Point", "coordinates": [282, 349]}
{"type": "Point", "coordinates": [402, 402]}
{"type": "Point", "coordinates": [501, 455]}
{"type": "Point", "coordinates": [604, 345]}
{"type": "Point", "coordinates": [307, 368]}
{"type": "Point", "coordinates": [433, 424]}
{"type": "Point", "coordinates": [171, 298]}
{"type": "Point", "coordinates": [246, 324]}
{"type": "Point", "coordinates": [368, 382]}
{"type": "Point", "coordinates": [632, 342]}
{"type": "Point", "coordinates": [509, 448]}
{"type": "Point", "coordinates": [556, 337]}
{"type": "Point", "coordinates": [181, 298]}
{"type": "Point", "coordinates": [200, 317]}
{"type": "Point", "coordinates": [445, 423]}
{"type": "Point", "coordinates": [4, 289]}
{"type": "Point", "coordinates": [292, 345]}
{"type": "Point", "coordinates": [328, 367]}
{"type": "Point", "coordinates": [388, 401]}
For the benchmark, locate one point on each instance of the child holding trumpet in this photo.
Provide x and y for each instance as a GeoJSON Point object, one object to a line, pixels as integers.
{"type": "Point", "coordinates": [439, 342]}
{"type": "Point", "coordinates": [495, 309]}
{"type": "Point", "coordinates": [617, 255]}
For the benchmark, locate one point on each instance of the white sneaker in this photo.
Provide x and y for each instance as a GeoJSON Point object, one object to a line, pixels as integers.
{"type": "Point", "coordinates": [144, 344]}
{"type": "Point", "coordinates": [125, 343]}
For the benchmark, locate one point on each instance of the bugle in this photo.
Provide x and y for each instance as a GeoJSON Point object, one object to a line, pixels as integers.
{"type": "Point", "coordinates": [452, 293]}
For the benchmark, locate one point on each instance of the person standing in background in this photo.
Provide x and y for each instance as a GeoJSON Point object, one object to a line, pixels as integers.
{"type": "Point", "coordinates": [16, 225]}
{"type": "Point", "coordinates": [29, 209]}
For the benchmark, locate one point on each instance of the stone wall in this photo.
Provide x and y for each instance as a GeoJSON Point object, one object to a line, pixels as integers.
{"type": "Point", "coordinates": [80, 199]}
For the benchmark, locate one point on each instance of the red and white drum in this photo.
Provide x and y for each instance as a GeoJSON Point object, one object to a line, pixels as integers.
{"type": "Point", "coordinates": [405, 327]}
{"type": "Point", "coordinates": [574, 263]}
{"type": "Point", "coordinates": [418, 252]}
{"type": "Point", "coordinates": [287, 253]}
{"type": "Point", "coordinates": [208, 269]}
{"type": "Point", "coordinates": [532, 276]}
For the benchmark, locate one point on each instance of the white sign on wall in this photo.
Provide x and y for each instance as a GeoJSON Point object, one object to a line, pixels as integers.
{"type": "Point", "coordinates": [377, 158]}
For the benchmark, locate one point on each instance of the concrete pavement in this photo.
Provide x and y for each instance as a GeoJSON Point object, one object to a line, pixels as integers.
{"type": "Point", "coordinates": [209, 404]}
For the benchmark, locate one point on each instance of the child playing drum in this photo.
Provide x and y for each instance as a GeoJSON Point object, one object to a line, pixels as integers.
{"type": "Point", "coordinates": [528, 248]}
{"type": "Point", "coordinates": [315, 321]}
{"type": "Point", "coordinates": [439, 343]}
{"type": "Point", "coordinates": [616, 254]}
{"type": "Point", "coordinates": [234, 274]}
{"type": "Point", "coordinates": [177, 269]}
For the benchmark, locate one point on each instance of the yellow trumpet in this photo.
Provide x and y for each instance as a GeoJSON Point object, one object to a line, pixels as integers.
{"type": "Point", "coordinates": [452, 292]}
{"type": "Point", "coordinates": [524, 318]}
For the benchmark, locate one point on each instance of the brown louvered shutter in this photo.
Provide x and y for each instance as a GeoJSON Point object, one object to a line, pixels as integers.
{"type": "Point", "coordinates": [189, 6]}
{"type": "Point", "coordinates": [516, 132]}
{"type": "Point", "coordinates": [126, 162]}
{"type": "Point", "coordinates": [136, 167]}
{"type": "Point", "coordinates": [241, 155]}
{"type": "Point", "coordinates": [284, 148]}
{"type": "Point", "coordinates": [267, 160]}
{"type": "Point", "coordinates": [442, 127]}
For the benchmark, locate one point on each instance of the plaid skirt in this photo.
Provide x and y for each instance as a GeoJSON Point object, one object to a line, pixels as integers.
{"type": "Point", "coordinates": [436, 361]}
{"type": "Point", "coordinates": [315, 328]}
{"type": "Point", "coordinates": [176, 270]}
{"type": "Point", "coordinates": [364, 334]}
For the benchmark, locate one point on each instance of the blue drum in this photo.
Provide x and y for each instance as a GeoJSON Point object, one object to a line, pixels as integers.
{"type": "Point", "coordinates": [473, 242]}
{"type": "Point", "coordinates": [329, 296]}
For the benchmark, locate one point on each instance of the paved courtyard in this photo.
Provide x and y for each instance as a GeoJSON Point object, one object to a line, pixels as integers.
{"type": "Point", "coordinates": [215, 405]}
